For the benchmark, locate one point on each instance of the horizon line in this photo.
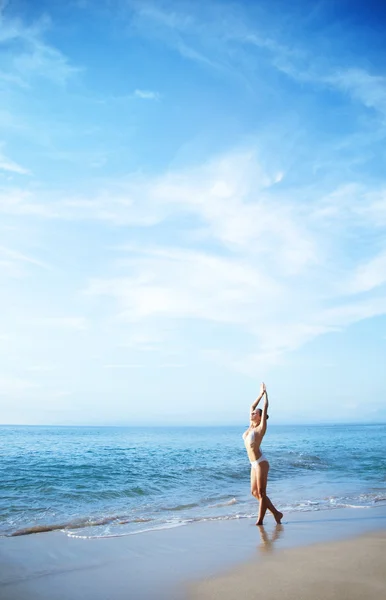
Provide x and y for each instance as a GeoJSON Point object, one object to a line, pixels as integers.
{"type": "Point", "coordinates": [202, 425]}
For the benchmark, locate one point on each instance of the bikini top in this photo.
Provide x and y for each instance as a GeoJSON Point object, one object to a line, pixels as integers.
{"type": "Point", "coordinates": [251, 435]}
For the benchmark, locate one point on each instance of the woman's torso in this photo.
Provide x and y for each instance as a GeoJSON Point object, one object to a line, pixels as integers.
{"type": "Point", "coordinates": [252, 439]}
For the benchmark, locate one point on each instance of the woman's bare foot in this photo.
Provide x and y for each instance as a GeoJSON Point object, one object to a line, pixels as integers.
{"type": "Point", "coordinates": [259, 523]}
{"type": "Point", "coordinates": [278, 517]}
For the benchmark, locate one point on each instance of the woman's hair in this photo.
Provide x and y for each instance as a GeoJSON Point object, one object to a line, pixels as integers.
{"type": "Point", "coordinates": [261, 412]}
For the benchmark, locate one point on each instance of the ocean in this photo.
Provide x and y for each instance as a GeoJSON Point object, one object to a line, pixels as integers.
{"type": "Point", "coordinates": [113, 481]}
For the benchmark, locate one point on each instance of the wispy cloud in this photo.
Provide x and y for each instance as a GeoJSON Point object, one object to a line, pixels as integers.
{"type": "Point", "coordinates": [27, 55]}
{"type": "Point", "coordinates": [10, 166]}
{"type": "Point", "coordinates": [369, 275]}
{"type": "Point", "coordinates": [13, 261]}
{"type": "Point", "coordinates": [142, 341]}
{"type": "Point", "coordinates": [70, 323]}
{"type": "Point", "coordinates": [280, 265]}
{"type": "Point", "coordinates": [363, 86]}
{"type": "Point", "coordinates": [221, 36]}
{"type": "Point", "coordinates": [124, 366]}
{"type": "Point", "coordinates": [140, 366]}
{"type": "Point", "coordinates": [147, 95]}
{"type": "Point", "coordinates": [40, 368]}
{"type": "Point", "coordinates": [179, 29]}
{"type": "Point", "coordinates": [272, 276]}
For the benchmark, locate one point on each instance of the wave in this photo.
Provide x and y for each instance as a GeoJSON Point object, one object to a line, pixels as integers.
{"type": "Point", "coordinates": [203, 503]}
{"type": "Point", "coordinates": [221, 504]}
{"type": "Point", "coordinates": [179, 507]}
{"type": "Point", "coordinates": [78, 524]}
{"type": "Point", "coordinates": [153, 523]}
{"type": "Point", "coordinates": [111, 535]}
{"type": "Point", "coordinates": [184, 522]}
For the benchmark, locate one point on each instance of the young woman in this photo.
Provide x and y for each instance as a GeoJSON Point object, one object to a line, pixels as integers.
{"type": "Point", "coordinates": [259, 465]}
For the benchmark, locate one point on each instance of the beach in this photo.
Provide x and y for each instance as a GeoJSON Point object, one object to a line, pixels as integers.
{"type": "Point", "coordinates": [348, 570]}
{"type": "Point", "coordinates": [329, 554]}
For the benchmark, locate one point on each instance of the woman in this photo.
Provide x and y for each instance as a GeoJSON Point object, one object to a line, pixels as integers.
{"type": "Point", "coordinates": [259, 464]}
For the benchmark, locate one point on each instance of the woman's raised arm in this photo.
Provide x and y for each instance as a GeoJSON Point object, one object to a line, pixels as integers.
{"type": "Point", "coordinates": [256, 402]}
{"type": "Point", "coordinates": [265, 409]}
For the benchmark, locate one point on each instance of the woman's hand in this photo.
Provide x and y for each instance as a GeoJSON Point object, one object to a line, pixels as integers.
{"type": "Point", "coordinates": [256, 402]}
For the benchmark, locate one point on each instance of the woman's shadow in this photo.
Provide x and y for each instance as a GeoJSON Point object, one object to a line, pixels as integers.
{"type": "Point", "coordinates": [268, 541]}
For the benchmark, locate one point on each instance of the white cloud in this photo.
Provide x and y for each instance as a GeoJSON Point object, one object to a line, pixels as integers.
{"type": "Point", "coordinates": [6, 164]}
{"type": "Point", "coordinates": [28, 55]}
{"type": "Point", "coordinates": [363, 86]}
{"type": "Point", "coordinates": [71, 323]}
{"type": "Point", "coordinates": [147, 95]}
{"type": "Point", "coordinates": [20, 257]}
{"type": "Point", "coordinates": [140, 366]}
{"type": "Point", "coordinates": [217, 36]}
{"type": "Point", "coordinates": [186, 284]}
{"type": "Point", "coordinates": [273, 277]}
{"type": "Point", "coordinates": [13, 263]}
{"type": "Point", "coordinates": [40, 368]}
{"type": "Point", "coordinates": [125, 366]}
{"type": "Point", "coordinates": [369, 275]}
{"type": "Point", "coordinates": [351, 312]}
{"type": "Point", "coordinates": [259, 255]}
{"type": "Point", "coordinates": [142, 340]}
{"type": "Point", "coordinates": [269, 260]}
{"type": "Point", "coordinates": [373, 208]}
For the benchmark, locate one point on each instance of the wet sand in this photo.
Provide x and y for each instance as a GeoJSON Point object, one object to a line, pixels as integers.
{"type": "Point", "coordinates": [348, 570]}
{"type": "Point", "coordinates": [201, 560]}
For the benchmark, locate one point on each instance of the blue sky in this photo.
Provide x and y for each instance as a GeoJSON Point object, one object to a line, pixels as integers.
{"type": "Point", "coordinates": [192, 200]}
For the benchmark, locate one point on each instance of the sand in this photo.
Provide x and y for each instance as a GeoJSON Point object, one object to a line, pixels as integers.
{"type": "Point", "coordinates": [303, 559]}
{"type": "Point", "coordinates": [348, 570]}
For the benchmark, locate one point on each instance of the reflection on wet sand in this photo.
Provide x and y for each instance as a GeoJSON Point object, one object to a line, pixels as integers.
{"type": "Point", "coordinates": [268, 540]}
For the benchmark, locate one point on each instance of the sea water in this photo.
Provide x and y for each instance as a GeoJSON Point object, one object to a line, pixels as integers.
{"type": "Point", "coordinates": [112, 481]}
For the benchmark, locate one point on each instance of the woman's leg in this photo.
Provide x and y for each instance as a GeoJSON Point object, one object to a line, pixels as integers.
{"type": "Point", "coordinates": [253, 482]}
{"type": "Point", "coordinates": [261, 488]}
{"type": "Point", "coordinates": [256, 487]}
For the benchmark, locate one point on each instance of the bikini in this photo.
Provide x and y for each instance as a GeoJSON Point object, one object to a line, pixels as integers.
{"type": "Point", "coordinates": [261, 458]}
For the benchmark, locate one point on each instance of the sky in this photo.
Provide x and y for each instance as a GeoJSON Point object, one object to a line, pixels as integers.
{"type": "Point", "coordinates": [192, 201]}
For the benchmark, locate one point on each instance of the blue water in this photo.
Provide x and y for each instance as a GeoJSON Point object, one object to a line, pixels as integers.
{"type": "Point", "coordinates": [96, 482]}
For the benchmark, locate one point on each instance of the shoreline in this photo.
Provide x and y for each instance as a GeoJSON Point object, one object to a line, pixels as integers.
{"type": "Point", "coordinates": [162, 563]}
